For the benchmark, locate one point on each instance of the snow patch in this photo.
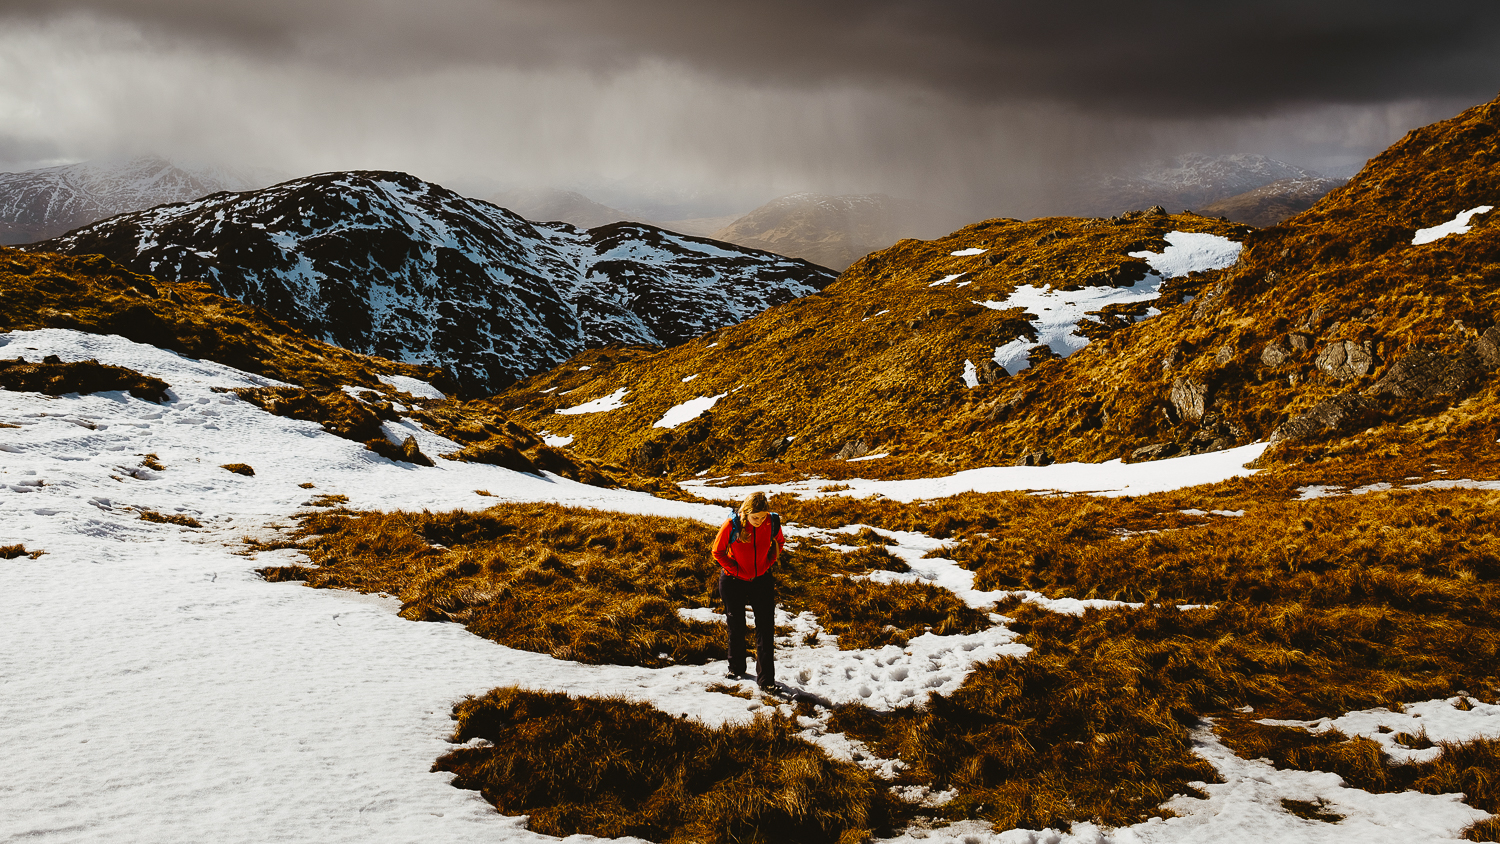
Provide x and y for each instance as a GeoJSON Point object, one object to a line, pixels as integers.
{"type": "Point", "coordinates": [1457, 225]}
{"type": "Point", "coordinates": [687, 411]}
{"type": "Point", "coordinates": [613, 401]}
{"type": "Point", "coordinates": [415, 386]}
{"type": "Point", "coordinates": [964, 253]}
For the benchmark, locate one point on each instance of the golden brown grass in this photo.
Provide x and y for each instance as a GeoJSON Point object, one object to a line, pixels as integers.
{"type": "Point", "coordinates": [610, 767]}
{"type": "Point", "coordinates": [1315, 608]}
{"type": "Point", "coordinates": [1463, 767]}
{"type": "Point", "coordinates": [240, 469]}
{"type": "Point", "coordinates": [55, 378]}
{"type": "Point", "coordinates": [596, 587]}
{"type": "Point", "coordinates": [11, 552]}
{"type": "Point", "coordinates": [169, 518]}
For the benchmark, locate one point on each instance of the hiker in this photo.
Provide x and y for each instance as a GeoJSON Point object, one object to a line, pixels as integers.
{"type": "Point", "coordinates": [747, 547]}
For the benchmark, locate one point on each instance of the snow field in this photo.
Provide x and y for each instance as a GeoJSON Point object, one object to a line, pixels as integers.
{"type": "Point", "coordinates": [157, 690]}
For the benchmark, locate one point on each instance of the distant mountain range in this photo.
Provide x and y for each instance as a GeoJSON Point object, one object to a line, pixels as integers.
{"type": "Point", "coordinates": [39, 204]}
{"type": "Point", "coordinates": [1269, 204]}
{"type": "Point", "coordinates": [1184, 183]}
{"type": "Point", "coordinates": [834, 231]}
{"type": "Point", "coordinates": [385, 263]}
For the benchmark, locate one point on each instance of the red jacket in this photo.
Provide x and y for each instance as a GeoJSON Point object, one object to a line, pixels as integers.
{"type": "Point", "coordinates": [754, 553]}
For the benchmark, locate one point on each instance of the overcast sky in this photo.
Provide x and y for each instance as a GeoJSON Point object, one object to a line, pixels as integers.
{"type": "Point", "coordinates": [978, 106]}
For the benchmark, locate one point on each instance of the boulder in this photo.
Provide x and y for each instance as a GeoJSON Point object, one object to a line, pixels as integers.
{"type": "Point", "coordinates": [1299, 342]}
{"type": "Point", "coordinates": [1425, 373]}
{"type": "Point", "coordinates": [1155, 451]}
{"type": "Point", "coordinates": [1036, 458]}
{"type": "Point", "coordinates": [1346, 360]}
{"type": "Point", "coordinates": [854, 448]}
{"type": "Point", "coordinates": [1190, 396]}
{"type": "Point", "coordinates": [1338, 413]}
{"type": "Point", "coordinates": [1274, 355]}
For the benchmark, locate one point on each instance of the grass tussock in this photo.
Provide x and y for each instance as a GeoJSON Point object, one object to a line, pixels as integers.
{"type": "Point", "coordinates": [55, 378]}
{"type": "Point", "coordinates": [1312, 609]}
{"type": "Point", "coordinates": [1462, 767]}
{"type": "Point", "coordinates": [595, 587]}
{"type": "Point", "coordinates": [610, 767]}
{"type": "Point", "coordinates": [169, 519]}
{"type": "Point", "coordinates": [240, 469]}
{"type": "Point", "coordinates": [12, 552]}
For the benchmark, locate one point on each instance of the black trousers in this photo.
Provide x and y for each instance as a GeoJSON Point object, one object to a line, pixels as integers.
{"type": "Point", "coordinates": [760, 594]}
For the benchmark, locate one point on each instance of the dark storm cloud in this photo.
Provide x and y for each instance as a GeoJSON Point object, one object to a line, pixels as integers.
{"type": "Point", "coordinates": [1186, 57]}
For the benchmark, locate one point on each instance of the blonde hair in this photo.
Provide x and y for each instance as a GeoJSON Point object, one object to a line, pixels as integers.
{"type": "Point", "coordinates": [755, 502]}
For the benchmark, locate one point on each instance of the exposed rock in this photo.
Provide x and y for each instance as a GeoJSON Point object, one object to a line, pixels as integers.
{"type": "Point", "coordinates": [990, 372]}
{"type": "Point", "coordinates": [1299, 342]}
{"type": "Point", "coordinates": [1215, 435]}
{"type": "Point", "coordinates": [1036, 458]}
{"type": "Point", "coordinates": [1191, 398]}
{"type": "Point", "coordinates": [854, 448]}
{"type": "Point", "coordinates": [1424, 373]}
{"type": "Point", "coordinates": [1224, 355]}
{"type": "Point", "coordinates": [1338, 413]}
{"type": "Point", "coordinates": [1346, 360]}
{"type": "Point", "coordinates": [1125, 274]}
{"type": "Point", "coordinates": [1487, 348]}
{"type": "Point", "coordinates": [1274, 355]}
{"type": "Point", "coordinates": [1156, 451]}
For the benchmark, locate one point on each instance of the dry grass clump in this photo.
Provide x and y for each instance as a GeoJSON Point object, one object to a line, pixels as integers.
{"type": "Point", "coordinates": [609, 767]}
{"type": "Point", "coordinates": [339, 414]}
{"type": "Point", "coordinates": [1314, 608]}
{"type": "Point", "coordinates": [240, 469]}
{"type": "Point", "coordinates": [591, 586]}
{"type": "Point", "coordinates": [55, 378]}
{"type": "Point", "coordinates": [11, 552]}
{"type": "Point", "coordinates": [1466, 767]}
{"type": "Point", "coordinates": [169, 518]}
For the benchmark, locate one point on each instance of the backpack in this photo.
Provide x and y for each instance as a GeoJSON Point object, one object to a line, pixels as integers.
{"type": "Point", "coordinates": [735, 525]}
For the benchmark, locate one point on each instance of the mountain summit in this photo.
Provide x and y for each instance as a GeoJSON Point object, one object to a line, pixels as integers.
{"type": "Point", "coordinates": [385, 263]}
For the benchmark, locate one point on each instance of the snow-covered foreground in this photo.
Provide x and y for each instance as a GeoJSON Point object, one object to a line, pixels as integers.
{"type": "Point", "coordinates": [154, 689]}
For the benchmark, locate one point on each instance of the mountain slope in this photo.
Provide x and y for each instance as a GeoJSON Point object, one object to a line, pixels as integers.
{"type": "Point", "coordinates": [387, 264]}
{"type": "Point", "coordinates": [38, 204]}
{"type": "Point", "coordinates": [1268, 205]}
{"type": "Point", "coordinates": [1327, 325]}
{"type": "Point", "coordinates": [831, 231]}
{"type": "Point", "coordinates": [1185, 182]}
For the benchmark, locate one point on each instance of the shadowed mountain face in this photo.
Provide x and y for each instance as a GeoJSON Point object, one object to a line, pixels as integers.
{"type": "Point", "coordinates": [384, 263]}
{"type": "Point", "coordinates": [832, 231]}
{"type": "Point", "coordinates": [39, 204]}
{"type": "Point", "coordinates": [1187, 182]}
{"type": "Point", "coordinates": [1342, 328]}
{"type": "Point", "coordinates": [1268, 205]}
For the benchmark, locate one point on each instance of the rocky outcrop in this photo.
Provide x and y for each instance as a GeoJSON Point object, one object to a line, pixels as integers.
{"type": "Point", "coordinates": [1420, 374]}
{"type": "Point", "coordinates": [1346, 360]}
{"type": "Point", "coordinates": [1190, 397]}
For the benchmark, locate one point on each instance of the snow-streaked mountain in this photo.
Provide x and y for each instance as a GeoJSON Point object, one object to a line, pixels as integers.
{"type": "Point", "coordinates": [385, 263]}
{"type": "Point", "coordinates": [557, 205]}
{"type": "Point", "coordinates": [38, 204]}
{"type": "Point", "coordinates": [834, 231]}
{"type": "Point", "coordinates": [1187, 182]}
{"type": "Point", "coordinates": [1268, 205]}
